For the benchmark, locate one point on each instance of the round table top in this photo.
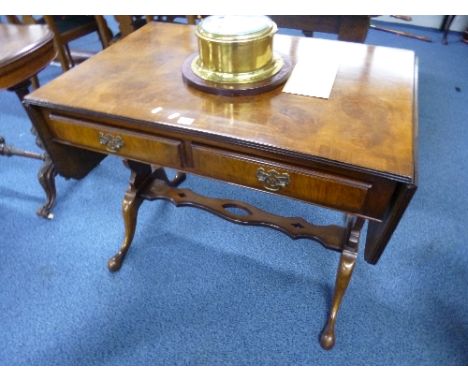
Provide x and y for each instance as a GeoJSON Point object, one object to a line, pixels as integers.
{"type": "Point", "coordinates": [24, 51]}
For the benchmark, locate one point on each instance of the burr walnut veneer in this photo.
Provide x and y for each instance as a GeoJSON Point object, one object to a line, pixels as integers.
{"type": "Point", "coordinates": [354, 152]}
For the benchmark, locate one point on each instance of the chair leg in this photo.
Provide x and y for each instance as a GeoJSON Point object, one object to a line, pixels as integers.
{"type": "Point", "coordinates": [35, 82]}
{"type": "Point", "coordinates": [59, 44]}
{"type": "Point", "coordinates": [105, 34]}
{"type": "Point", "coordinates": [71, 62]}
{"type": "Point", "coordinates": [62, 57]}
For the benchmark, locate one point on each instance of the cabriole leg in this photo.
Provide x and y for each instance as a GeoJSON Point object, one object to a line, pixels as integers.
{"type": "Point", "coordinates": [140, 175]}
{"type": "Point", "coordinates": [47, 172]}
{"type": "Point", "coordinates": [46, 178]}
{"type": "Point", "coordinates": [343, 276]}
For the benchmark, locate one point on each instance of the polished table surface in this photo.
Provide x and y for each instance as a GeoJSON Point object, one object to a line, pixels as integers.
{"type": "Point", "coordinates": [366, 123]}
{"type": "Point", "coordinates": [24, 50]}
{"type": "Point", "coordinates": [353, 152]}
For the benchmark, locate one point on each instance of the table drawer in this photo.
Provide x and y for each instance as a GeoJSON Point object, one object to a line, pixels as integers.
{"type": "Point", "coordinates": [312, 186]}
{"type": "Point", "coordinates": [102, 138]}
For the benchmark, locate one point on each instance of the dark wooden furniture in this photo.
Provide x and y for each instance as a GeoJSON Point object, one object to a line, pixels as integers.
{"type": "Point", "coordinates": [354, 152]}
{"type": "Point", "coordinates": [24, 51]}
{"type": "Point", "coordinates": [445, 27]}
{"type": "Point", "coordinates": [130, 23]}
{"type": "Point", "coordinates": [348, 28]}
{"type": "Point", "coordinates": [67, 29]}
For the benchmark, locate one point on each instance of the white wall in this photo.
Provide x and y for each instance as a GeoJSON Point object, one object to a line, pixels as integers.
{"type": "Point", "coordinates": [459, 24]}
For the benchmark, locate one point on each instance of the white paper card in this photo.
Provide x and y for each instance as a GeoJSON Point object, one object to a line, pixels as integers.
{"type": "Point", "coordinates": [313, 78]}
{"type": "Point", "coordinates": [185, 121]}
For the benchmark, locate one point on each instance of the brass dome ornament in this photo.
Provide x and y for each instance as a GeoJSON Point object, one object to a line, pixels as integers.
{"type": "Point", "coordinates": [235, 56]}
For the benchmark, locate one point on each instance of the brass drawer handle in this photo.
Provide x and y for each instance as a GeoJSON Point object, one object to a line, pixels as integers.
{"type": "Point", "coordinates": [113, 143]}
{"type": "Point", "coordinates": [272, 180]}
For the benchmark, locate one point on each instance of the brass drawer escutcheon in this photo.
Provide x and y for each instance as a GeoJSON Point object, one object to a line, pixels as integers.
{"type": "Point", "coordinates": [113, 143]}
{"type": "Point", "coordinates": [272, 180]}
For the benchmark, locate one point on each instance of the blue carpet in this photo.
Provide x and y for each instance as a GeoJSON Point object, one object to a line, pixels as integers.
{"type": "Point", "coordinates": [197, 290]}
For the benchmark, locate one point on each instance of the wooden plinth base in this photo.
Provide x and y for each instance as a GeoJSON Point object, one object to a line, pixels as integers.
{"type": "Point", "coordinates": [235, 89]}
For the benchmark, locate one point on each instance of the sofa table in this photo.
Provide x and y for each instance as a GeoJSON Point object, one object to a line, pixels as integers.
{"type": "Point", "coordinates": [353, 152]}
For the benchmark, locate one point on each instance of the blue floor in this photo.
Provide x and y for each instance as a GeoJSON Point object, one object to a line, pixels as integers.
{"type": "Point", "coordinates": [197, 290]}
